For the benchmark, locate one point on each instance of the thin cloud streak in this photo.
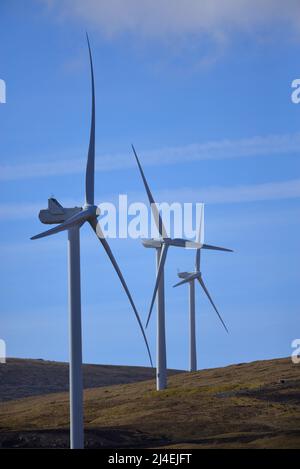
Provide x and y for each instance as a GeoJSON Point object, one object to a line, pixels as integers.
{"type": "Point", "coordinates": [209, 195]}
{"type": "Point", "coordinates": [271, 145]}
{"type": "Point", "coordinates": [237, 194]}
{"type": "Point", "coordinates": [176, 18]}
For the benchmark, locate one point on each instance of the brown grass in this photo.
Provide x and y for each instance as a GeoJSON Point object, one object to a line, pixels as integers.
{"type": "Point", "coordinates": [253, 405]}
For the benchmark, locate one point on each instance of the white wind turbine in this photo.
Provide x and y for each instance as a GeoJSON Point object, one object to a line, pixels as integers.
{"type": "Point", "coordinates": [161, 245]}
{"type": "Point", "coordinates": [190, 277]}
{"type": "Point", "coordinates": [71, 220]}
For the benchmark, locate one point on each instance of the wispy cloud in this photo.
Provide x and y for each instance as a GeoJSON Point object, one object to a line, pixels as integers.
{"type": "Point", "coordinates": [211, 195]}
{"type": "Point", "coordinates": [236, 194]}
{"type": "Point", "coordinates": [269, 145]}
{"type": "Point", "coordinates": [21, 211]}
{"type": "Point", "coordinates": [201, 31]}
{"type": "Point", "coordinates": [177, 18]}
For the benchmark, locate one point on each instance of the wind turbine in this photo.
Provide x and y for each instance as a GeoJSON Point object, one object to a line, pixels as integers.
{"type": "Point", "coordinates": [161, 245]}
{"type": "Point", "coordinates": [71, 220]}
{"type": "Point", "coordinates": [190, 277]}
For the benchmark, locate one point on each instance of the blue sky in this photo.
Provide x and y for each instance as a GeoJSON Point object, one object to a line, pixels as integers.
{"type": "Point", "coordinates": [205, 95]}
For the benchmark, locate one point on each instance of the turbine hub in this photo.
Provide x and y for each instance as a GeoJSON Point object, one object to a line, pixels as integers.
{"type": "Point", "coordinates": [93, 210]}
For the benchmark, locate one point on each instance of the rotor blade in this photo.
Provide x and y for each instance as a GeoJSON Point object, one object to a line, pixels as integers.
{"type": "Point", "coordinates": [200, 234]}
{"type": "Point", "coordinates": [90, 166]}
{"type": "Point", "coordinates": [160, 269]}
{"type": "Point", "coordinates": [155, 211]}
{"type": "Point", "coordinates": [76, 219]}
{"type": "Point", "coordinates": [215, 248]}
{"type": "Point", "coordinates": [211, 301]}
{"type": "Point", "coordinates": [97, 229]}
{"type": "Point", "coordinates": [185, 280]}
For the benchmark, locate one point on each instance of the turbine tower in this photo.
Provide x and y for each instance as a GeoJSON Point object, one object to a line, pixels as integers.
{"type": "Point", "coordinates": [161, 245]}
{"type": "Point", "coordinates": [190, 277]}
{"type": "Point", "coordinates": [71, 220]}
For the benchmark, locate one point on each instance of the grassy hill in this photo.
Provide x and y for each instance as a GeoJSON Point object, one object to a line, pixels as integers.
{"type": "Point", "coordinates": [23, 378]}
{"type": "Point", "coordinates": [255, 405]}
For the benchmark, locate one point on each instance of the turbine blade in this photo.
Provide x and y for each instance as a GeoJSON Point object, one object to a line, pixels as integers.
{"type": "Point", "coordinates": [215, 248]}
{"type": "Point", "coordinates": [155, 211]}
{"type": "Point", "coordinates": [97, 229]}
{"type": "Point", "coordinates": [77, 219]}
{"type": "Point", "coordinates": [211, 301]}
{"type": "Point", "coordinates": [90, 166]}
{"type": "Point", "coordinates": [162, 261]}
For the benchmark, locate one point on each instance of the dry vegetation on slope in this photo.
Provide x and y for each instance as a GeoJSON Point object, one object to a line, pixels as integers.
{"type": "Point", "coordinates": [25, 378]}
{"type": "Point", "coordinates": [252, 405]}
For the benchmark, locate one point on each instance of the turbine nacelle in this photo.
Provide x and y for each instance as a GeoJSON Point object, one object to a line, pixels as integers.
{"type": "Point", "coordinates": [153, 243]}
{"type": "Point", "coordinates": [184, 243]}
{"type": "Point", "coordinates": [186, 274]}
{"type": "Point", "coordinates": [56, 213]}
{"type": "Point", "coordinates": [187, 277]}
{"type": "Point", "coordinates": [177, 242]}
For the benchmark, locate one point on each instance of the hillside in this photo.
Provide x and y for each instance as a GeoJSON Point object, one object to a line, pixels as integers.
{"type": "Point", "coordinates": [24, 378]}
{"type": "Point", "coordinates": [255, 405]}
